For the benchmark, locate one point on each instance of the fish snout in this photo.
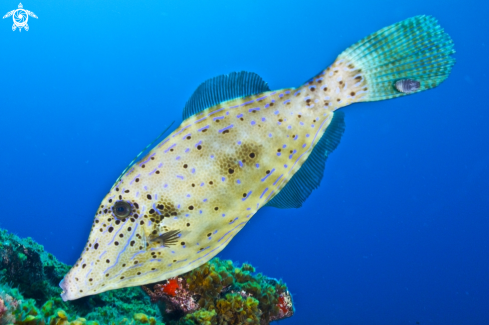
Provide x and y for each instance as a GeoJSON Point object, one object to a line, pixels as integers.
{"type": "Point", "coordinates": [66, 294]}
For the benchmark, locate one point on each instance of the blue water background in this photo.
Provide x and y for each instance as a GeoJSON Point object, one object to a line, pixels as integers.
{"type": "Point", "coordinates": [396, 234]}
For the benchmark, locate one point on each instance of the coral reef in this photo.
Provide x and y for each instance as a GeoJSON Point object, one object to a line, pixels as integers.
{"type": "Point", "coordinates": [3, 308]}
{"type": "Point", "coordinates": [36, 273]}
{"type": "Point", "coordinates": [216, 293]}
{"type": "Point", "coordinates": [24, 262]}
{"type": "Point", "coordinates": [8, 305]}
{"type": "Point", "coordinates": [25, 312]}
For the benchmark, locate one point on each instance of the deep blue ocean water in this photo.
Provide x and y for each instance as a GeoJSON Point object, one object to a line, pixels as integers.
{"type": "Point", "coordinates": [396, 234]}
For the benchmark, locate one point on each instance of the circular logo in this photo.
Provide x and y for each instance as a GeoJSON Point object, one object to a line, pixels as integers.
{"type": "Point", "coordinates": [20, 17]}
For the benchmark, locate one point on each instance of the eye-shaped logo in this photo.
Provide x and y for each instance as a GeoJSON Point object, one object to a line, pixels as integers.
{"type": "Point", "coordinates": [20, 17]}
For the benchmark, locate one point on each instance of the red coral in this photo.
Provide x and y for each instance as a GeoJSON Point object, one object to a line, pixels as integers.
{"type": "Point", "coordinates": [282, 305]}
{"type": "Point", "coordinates": [175, 293]}
{"type": "Point", "coordinates": [285, 306]}
{"type": "Point", "coordinates": [170, 288]}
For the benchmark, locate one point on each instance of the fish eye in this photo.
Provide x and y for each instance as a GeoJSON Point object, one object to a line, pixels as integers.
{"type": "Point", "coordinates": [122, 210]}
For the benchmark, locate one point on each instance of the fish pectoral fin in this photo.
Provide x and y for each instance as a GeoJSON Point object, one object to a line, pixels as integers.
{"type": "Point", "coordinates": [309, 176]}
{"type": "Point", "coordinates": [167, 238]}
{"type": "Point", "coordinates": [223, 88]}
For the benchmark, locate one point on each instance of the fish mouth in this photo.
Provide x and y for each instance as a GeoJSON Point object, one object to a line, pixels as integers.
{"type": "Point", "coordinates": [65, 294]}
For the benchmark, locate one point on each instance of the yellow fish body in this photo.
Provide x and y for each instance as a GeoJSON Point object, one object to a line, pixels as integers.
{"type": "Point", "coordinates": [181, 205]}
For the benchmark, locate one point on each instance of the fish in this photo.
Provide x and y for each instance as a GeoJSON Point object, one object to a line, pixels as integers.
{"type": "Point", "coordinates": [240, 147]}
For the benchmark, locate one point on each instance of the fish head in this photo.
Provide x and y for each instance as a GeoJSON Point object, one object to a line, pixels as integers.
{"type": "Point", "coordinates": [116, 250]}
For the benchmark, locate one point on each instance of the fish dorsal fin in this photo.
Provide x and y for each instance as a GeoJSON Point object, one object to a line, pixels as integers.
{"type": "Point", "coordinates": [310, 174]}
{"type": "Point", "coordinates": [223, 88]}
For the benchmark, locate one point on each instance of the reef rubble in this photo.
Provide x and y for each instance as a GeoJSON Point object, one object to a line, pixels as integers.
{"type": "Point", "coordinates": [217, 292]}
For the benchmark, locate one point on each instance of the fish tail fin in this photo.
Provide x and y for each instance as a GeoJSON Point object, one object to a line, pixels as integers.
{"type": "Point", "coordinates": [408, 57]}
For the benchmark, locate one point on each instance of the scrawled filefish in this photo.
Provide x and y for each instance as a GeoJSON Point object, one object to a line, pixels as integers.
{"type": "Point", "coordinates": [239, 148]}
